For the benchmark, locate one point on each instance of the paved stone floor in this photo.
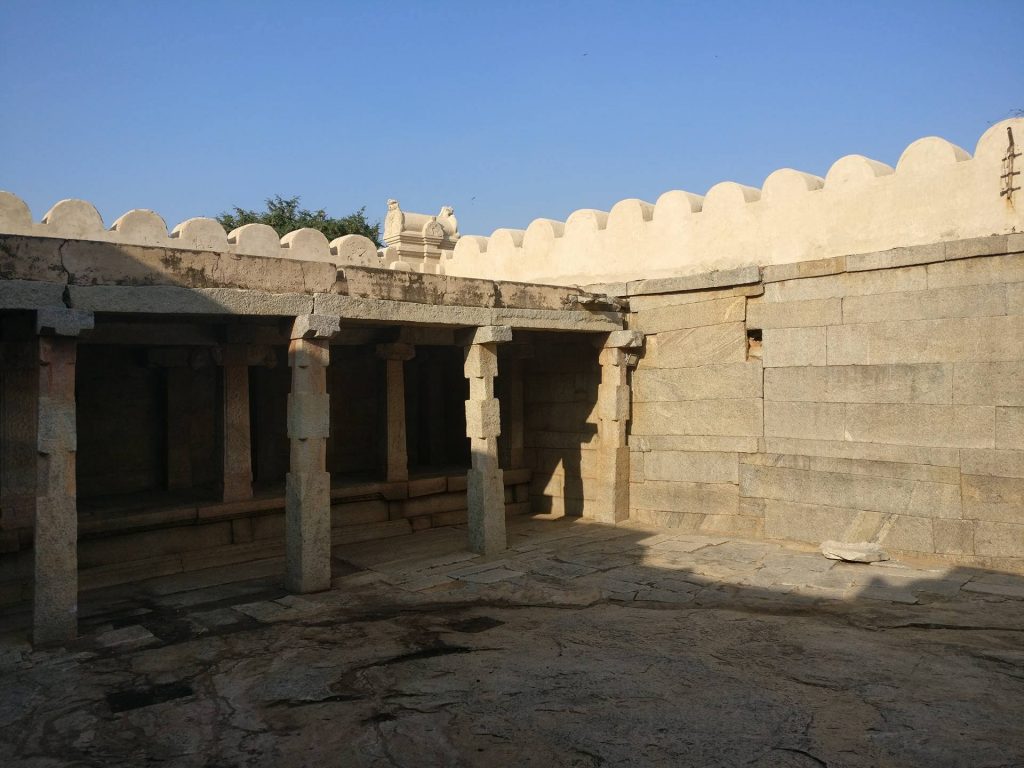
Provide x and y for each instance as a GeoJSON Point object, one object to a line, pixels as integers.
{"type": "Point", "coordinates": [586, 645]}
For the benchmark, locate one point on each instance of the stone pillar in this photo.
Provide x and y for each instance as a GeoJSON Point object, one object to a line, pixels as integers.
{"type": "Point", "coordinates": [237, 449]}
{"type": "Point", "coordinates": [20, 381]}
{"type": "Point", "coordinates": [55, 593]}
{"type": "Point", "coordinates": [395, 356]}
{"type": "Point", "coordinates": [611, 504]}
{"type": "Point", "coordinates": [308, 484]}
{"type": "Point", "coordinates": [485, 484]}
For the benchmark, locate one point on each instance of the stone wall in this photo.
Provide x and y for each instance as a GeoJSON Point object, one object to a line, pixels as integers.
{"type": "Point", "coordinates": [560, 423]}
{"type": "Point", "coordinates": [877, 397]}
{"type": "Point", "coordinates": [936, 191]}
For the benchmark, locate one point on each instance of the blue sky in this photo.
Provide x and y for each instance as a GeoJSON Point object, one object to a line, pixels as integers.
{"type": "Point", "coordinates": [508, 111]}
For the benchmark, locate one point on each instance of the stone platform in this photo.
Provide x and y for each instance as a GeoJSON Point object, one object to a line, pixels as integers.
{"type": "Point", "coordinates": [582, 645]}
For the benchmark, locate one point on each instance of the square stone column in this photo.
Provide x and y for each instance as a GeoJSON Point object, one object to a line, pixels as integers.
{"type": "Point", "coordinates": [55, 593]}
{"type": "Point", "coordinates": [485, 487]}
{"type": "Point", "coordinates": [308, 484]}
{"type": "Point", "coordinates": [237, 449]}
{"type": "Point", "coordinates": [395, 356]}
{"type": "Point", "coordinates": [611, 504]}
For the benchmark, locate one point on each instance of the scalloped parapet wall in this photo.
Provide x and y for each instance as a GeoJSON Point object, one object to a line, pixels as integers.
{"type": "Point", "coordinates": [79, 220]}
{"type": "Point", "coordinates": [936, 192]}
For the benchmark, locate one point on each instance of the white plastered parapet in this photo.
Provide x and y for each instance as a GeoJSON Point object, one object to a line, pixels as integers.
{"type": "Point", "coordinates": [936, 192]}
{"type": "Point", "coordinates": [79, 219]}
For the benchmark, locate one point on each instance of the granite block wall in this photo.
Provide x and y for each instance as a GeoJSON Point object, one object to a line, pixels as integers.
{"type": "Point", "coordinates": [858, 404]}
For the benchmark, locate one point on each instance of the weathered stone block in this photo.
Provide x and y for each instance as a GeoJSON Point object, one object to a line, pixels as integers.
{"type": "Point", "coordinates": [481, 388]}
{"type": "Point", "coordinates": [630, 339]}
{"type": "Point", "coordinates": [896, 257]}
{"type": "Point", "coordinates": [56, 426]}
{"type": "Point", "coordinates": [483, 418]}
{"type": "Point", "coordinates": [487, 334]}
{"type": "Point", "coordinates": [684, 522]}
{"type": "Point", "coordinates": [481, 361]}
{"type": "Point", "coordinates": [981, 271]}
{"type": "Point", "coordinates": [793, 346]}
{"type": "Point", "coordinates": [691, 315]}
{"type": "Point", "coordinates": [308, 531]}
{"type": "Point", "coordinates": [968, 339]}
{"type": "Point", "coordinates": [1015, 299]}
{"type": "Point", "coordinates": [732, 525]}
{"type": "Point", "coordinates": [960, 301]}
{"type": "Point", "coordinates": [794, 314]}
{"type": "Point", "coordinates": [774, 273]}
{"type": "Point", "coordinates": [1010, 428]}
{"type": "Point", "coordinates": [729, 443]}
{"type": "Point", "coordinates": [485, 496]}
{"type": "Point", "coordinates": [702, 498]}
{"type": "Point", "coordinates": [359, 512]}
{"type": "Point", "coordinates": [877, 468]}
{"type": "Point", "coordinates": [63, 321]}
{"type": "Point", "coordinates": [710, 382]}
{"type": "Point", "coordinates": [944, 457]}
{"type": "Point", "coordinates": [55, 598]}
{"type": "Point", "coordinates": [992, 462]}
{"type": "Point", "coordinates": [653, 301]}
{"type": "Point", "coordinates": [953, 537]}
{"type": "Point", "coordinates": [989, 383]}
{"type": "Point", "coordinates": [613, 402]}
{"type": "Point", "coordinates": [691, 466]}
{"type": "Point", "coordinates": [806, 522]}
{"type": "Point", "coordinates": [860, 492]}
{"type": "Point", "coordinates": [963, 426]}
{"type": "Point", "coordinates": [998, 539]}
{"type": "Point", "coordinates": [32, 259]}
{"type": "Point", "coordinates": [315, 326]}
{"type": "Point", "coordinates": [911, 534]}
{"type": "Point", "coordinates": [309, 415]}
{"type": "Point", "coordinates": [428, 505]}
{"type": "Point", "coordinates": [926, 383]}
{"type": "Point", "coordinates": [815, 421]}
{"type": "Point", "coordinates": [849, 284]}
{"type": "Point", "coordinates": [427, 485]}
{"type": "Point", "coordinates": [26, 294]}
{"type": "Point", "coordinates": [996, 499]}
{"type": "Point", "coordinates": [698, 417]}
{"type": "Point", "coordinates": [704, 280]}
{"type": "Point", "coordinates": [707, 345]}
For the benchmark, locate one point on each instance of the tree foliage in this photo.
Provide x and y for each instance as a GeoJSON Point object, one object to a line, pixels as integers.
{"type": "Point", "coordinates": [285, 215]}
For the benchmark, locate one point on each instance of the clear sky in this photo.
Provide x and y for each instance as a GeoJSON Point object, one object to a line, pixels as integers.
{"type": "Point", "coordinates": [507, 110]}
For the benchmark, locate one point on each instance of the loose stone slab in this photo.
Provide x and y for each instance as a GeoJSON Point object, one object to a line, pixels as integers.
{"type": "Point", "coordinates": [858, 552]}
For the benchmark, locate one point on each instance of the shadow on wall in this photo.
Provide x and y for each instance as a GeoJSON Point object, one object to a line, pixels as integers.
{"type": "Point", "coordinates": [560, 395]}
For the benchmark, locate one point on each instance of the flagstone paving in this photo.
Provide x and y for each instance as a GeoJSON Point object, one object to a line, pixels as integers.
{"type": "Point", "coordinates": [582, 645]}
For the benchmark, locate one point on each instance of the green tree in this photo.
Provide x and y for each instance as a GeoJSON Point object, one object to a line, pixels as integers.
{"type": "Point", "coordinates": [285, 215]}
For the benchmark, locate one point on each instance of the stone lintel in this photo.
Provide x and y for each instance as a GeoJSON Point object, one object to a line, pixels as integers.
{"type": "Point", "coordinates": [58, 321]}
{"type": "Point", "coordinates": [316, 326]}
{"type": "Point", "coordinates": [485, 334]}
{"type": "Point", "coordinates": [624, 340]}
{"type": "Point", "coordinates": [396, 350]}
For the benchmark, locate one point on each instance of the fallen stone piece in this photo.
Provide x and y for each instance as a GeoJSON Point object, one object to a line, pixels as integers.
{"type": "Point", "coordinates": [853, 552]}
